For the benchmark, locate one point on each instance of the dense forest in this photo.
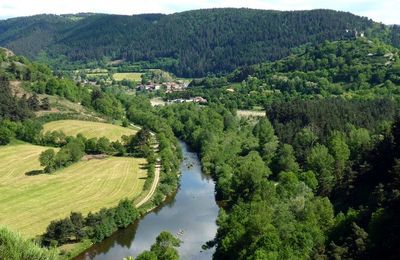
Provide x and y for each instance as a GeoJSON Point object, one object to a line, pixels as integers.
{"type": "Point", "coordinates": [315, 178]}
{"type": "Point", "coordinates": [332, 197]}
{"type": "Point", "coordinates": [351, 69]}
{"type": "Point", "coordinates": [193, 43]}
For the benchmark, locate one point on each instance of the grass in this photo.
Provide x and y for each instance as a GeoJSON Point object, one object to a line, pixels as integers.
{"type": "Point", "coordinates": [89, 129]}
{"type": "Point", "coordinates": [133, 76]}
{"type": "Point", "coordinates": [29, 203]}
{"type": "Point", "coordinates": [250, 113]}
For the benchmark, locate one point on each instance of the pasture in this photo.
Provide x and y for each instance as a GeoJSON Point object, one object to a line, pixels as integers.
{"type": "Point", "coordinates": [88, 129]}
{"type": "Point", "coordinates": [28, 203]}
{"type": "Point", "coordinates": [250, 113]}
{"type": "Point", "coordinates": [132, 76]}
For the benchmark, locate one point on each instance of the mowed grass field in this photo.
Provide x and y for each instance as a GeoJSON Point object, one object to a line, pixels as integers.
{"type": "Point", "coordinates": [29, 203]}
{"type": "Point", "coordinates": [88, 129]}
{"type": "Point", "coordinates": [133, 76]}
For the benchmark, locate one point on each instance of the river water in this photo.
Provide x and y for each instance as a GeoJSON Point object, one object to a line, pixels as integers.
{"type": "Point", "coordinates": [190, 214]}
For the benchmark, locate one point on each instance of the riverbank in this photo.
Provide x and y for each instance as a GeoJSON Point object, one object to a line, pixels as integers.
{"type": "Point", "coordinates": [143, 203]}
{"type": "Point", "coordinates": [190, 214]}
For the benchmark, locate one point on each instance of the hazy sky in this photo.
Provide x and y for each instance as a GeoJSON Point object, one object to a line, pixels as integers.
{"type": "Point", "coordinates": [386, 11]}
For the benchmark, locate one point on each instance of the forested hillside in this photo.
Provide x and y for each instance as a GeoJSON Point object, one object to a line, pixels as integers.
{"type": "Point", "coordinates": [192, 43]}
{"type": "Point", "coordinates": [318, 176]}
{"type": "Point", "coordinates": [351, 69]}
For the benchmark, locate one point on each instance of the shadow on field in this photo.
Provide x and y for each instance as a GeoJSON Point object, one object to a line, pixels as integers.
{"type": "Point", "coordinates": [34, 172]}
{"type": "Point", "coordinates": [144, 166]}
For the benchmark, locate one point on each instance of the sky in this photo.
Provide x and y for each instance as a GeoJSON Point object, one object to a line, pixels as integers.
{"type": "Point", "coordinates": [386, 11]}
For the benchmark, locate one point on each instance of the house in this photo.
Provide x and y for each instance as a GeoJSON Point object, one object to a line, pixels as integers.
{"type": "Point", "coordinates": [199, 100]}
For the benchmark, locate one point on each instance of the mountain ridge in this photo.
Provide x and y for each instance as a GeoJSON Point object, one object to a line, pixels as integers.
{"type": "Point", "coordinates": [195, 43]}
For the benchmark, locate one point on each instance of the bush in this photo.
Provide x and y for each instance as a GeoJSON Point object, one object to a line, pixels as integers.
{"type": "Point", "coordinates": [13, 246]}
{"type": "Point", "coordinates": [5, 135]}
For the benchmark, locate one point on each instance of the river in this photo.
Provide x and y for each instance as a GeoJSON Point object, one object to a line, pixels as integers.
{"type": "Point", "coordinates": [190, 214]}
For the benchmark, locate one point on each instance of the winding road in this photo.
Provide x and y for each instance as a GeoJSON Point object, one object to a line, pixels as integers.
{"type": "Point", "coordinates": [153, 186]}
{"type": "Point", "coordinates": [156, 177]}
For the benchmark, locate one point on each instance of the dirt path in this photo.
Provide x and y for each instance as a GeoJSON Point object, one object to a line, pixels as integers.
{"type": "Point", "coordinates": [155, 181]}
{"type": "Point", "coordinates": [153, 187]}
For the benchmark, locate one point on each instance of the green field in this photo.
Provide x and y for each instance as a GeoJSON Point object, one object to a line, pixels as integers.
{"type": "Point", "coordinates": [89, 129]}
{"type": "Point", "coordinates": [133, 76]}
{"type": "Point", "coordinates": [250, 113]}
{"type": "Point", "coordinates": [28, 203]}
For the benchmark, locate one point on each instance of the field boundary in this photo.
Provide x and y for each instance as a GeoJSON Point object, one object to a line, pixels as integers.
{"type": "Point", "coordinates": [156, 177]}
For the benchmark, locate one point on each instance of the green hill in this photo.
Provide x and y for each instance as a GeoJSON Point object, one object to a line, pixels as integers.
{"type": "Point", "coordinates": [347, 68]}
{"type": "Point", "coordinates": [192, 43]}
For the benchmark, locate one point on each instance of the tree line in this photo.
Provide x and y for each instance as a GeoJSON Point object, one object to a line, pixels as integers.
{"type": "Point", "coordinates": [95, 226]}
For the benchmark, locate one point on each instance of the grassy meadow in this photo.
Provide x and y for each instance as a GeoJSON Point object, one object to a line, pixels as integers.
{"type": "Point", "coordinates": [88, 129]}
{"type": "Point", "coordinates": [133, 76]}
{"type": "Point", "coordinates": [29, 203]}
{"type": "Point", "coordinates": [250, 113]}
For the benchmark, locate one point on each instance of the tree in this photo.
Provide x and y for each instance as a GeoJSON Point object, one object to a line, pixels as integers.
{"type": "Point", "coordinates": [309, 179]}
{"type": "Point", "coordinates": [340, 152]}
{"type": "Point", "coordinates": [5, 135]}
{"type": "Point", "coordinates": [75, 150]}
{"type": "Point", "coordinates": [164, 247]}
{"type": "Point", "coordinates": [45, 104]}
{"type": "Point", "coordinates": [285, 160]}
{"type": "Point", "coordinates": [103, 145]}
{"type": "Point", "coordinates": [29, 131]}
{"type": "Point", "coordinates": [147, 255]}
{"type": "Point", "coordinates": [304, 140]}
{"type": "Point", "coordinates": [139, 144]}
{"type": "Point", "coordinates": [359, 141]}
{"type": "Point", "coordinates": [33, 102]}
{"type": "Point", "coordinates": [77, 221]}
{"type": "Point", "coordinates": [248, 176]}
{"type": "Point", "coordinates": [47, 160]}
{"type": "Point", "coordinates": [58, 232]}
{"type": "Point", "coordinates": [268, 142]}
{"type": "Point", "coordinates": [322, 164]}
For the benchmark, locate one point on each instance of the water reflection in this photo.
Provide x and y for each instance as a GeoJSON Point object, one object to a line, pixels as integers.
{"type": "Point", "coordinates": [193, 210]}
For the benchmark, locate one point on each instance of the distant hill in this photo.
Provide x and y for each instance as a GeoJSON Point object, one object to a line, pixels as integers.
{"type": "Point", "coordinates": [352, 69]}
{"type": "Point", "coordinates": [193, 43]}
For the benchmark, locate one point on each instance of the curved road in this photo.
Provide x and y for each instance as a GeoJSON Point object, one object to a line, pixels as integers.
{"type": "Point", "coordinates": [153, 186]}
{"type": "Point", "coordinates": [156, 176]}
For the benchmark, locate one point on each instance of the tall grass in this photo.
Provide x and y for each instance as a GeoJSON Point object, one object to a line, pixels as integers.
{"type": "Point", "coordinates": [14, 247]}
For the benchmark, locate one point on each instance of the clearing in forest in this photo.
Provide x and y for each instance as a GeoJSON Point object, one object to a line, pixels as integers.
{"type": "Point", "coordinates": [250, 113]}
{"type": "Point", "coordinates": [89, 129]}
{"type": "Point", "coordinates": [133, 76]}
{"type": "Point", "coordinates": [30, 201]}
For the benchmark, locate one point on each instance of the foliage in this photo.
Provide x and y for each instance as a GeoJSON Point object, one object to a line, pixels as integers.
{"type": "Point", "coordinates": [359, 69]}
{"type": "Point", "coordinates": [193, 43]}
{"type": "Point", "coordinates": [12, 107]}
{"type": "Point", "coordinates": [163, 248]}
{"type": "Point", "coordinates": [70, 153]}
{"type": "Point", "coordinates": [95, 226]}
{"type": "Point", "coordinates": [13, 246]}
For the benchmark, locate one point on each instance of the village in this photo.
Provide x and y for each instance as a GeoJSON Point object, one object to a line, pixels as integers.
{"type": "Point", "coordinates": [169, 87]}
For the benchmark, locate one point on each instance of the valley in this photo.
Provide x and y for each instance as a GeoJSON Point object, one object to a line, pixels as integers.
{"type": "Point", "coordinates": [225, 133]}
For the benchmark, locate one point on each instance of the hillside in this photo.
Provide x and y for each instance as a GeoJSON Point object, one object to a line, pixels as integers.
{"type": "Point", "coordinates": [358, 68]}
{"type": "Point", "coordinates": [192, 43]}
